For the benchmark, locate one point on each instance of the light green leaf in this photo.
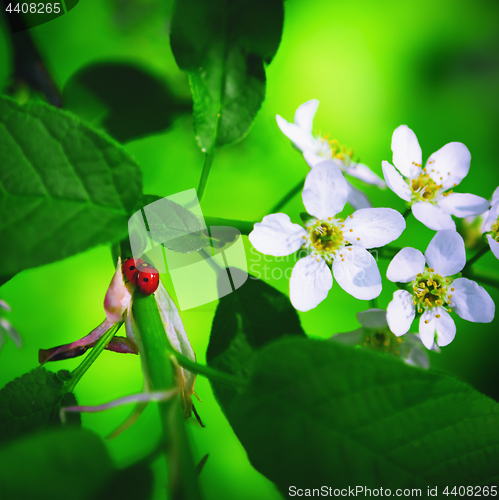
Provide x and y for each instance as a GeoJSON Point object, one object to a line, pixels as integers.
{"type": "Point", "coordinates": [245, 321]}
{"type": "Point", "coordinates": [223, 45]}
{"type": "Point", "coordinates": [64, 188]}
{"type": "Point", "coordinates": [320, 413]}
{"type": "Point", "coordinates": [32, 402]}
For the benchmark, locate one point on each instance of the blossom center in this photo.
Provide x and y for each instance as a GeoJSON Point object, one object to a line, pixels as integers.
{"type": "Point", "coordinates": [325, 238]}
{"type": "Point", "coordinates": [431, 290]}
{"type": "Point", "coordinates": [494, 230]}
{"type": "Point", "coordinates": [424, 188]}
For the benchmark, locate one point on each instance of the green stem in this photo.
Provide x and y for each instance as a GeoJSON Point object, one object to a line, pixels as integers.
{"type": "Point", "coordinates": [475, 257]}
{"type": "Point", "coordinates": [288, 197]}
{"type": "Point", "coordinates": [488, 277]}
{"type": "Point", "coordinates": [208, 160]}
{"type": "Point", "coordinates": [94, 354]}
{"type": "Point", "coordinates": [208, 372]}
{"type": "Point", "coordinates": [244, 226]}
{"type": "Point", "coordinates": [387, 252]}
{"type": "Point", "coordinates": [407, 213]}
{"type": "Point", "coordinates": [373, 303]}
{"type": "Point", "coordinates": [155, 351]}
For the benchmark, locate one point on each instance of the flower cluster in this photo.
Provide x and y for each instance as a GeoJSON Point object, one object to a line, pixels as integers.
{"type": "Point", "coordinates": [431, 286]}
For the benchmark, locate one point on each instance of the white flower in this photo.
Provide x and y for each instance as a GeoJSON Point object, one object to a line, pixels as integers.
{"type": "Point", "coordinates": [7, 329]}
{"type": "Point", "coordinates": [428, 190]}
{"type": "Point", "coordinates": [491, 225]}
{"type": "Point", "coordinates": [375, 334]}
{"type": "Point", "coordinates": [331, 242]}
{"type": "Point", "coordinates": [318, 149]}
{"type": "Point", "coordinates": [433, 290]}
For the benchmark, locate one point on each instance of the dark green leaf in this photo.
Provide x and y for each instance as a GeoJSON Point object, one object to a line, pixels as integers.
{"type": "Point", "coordinates": [175, 227]}
{"type": "Point", "coordinates": [223, 45]}
{"type": "Point", "coordinates": [32, 403]}
{"type": "Point", "coordinates": [134, 482]}
{"type": "Point", "coordinates": [245, 321]}
{"type": "Point", "coordinates": [126, 101]}
{"type": "Point", "coordinates": [320, 413]}
{"type": "Point", "coordinates": [64, 188]}
{"type": "Point", "coordinates": [60, 464]}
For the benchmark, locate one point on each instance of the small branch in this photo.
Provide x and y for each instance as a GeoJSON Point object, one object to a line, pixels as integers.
{"type": "Point", "coordinates": [209, 373]}
{"type": "Point", "coordinates": [475, 257]}
{"type": "Point", "coordinates": [94, 354]}
{"type": "Point", "coordinates": [208, 160]}
{"type": "Point", "coordinates": [288, 197]}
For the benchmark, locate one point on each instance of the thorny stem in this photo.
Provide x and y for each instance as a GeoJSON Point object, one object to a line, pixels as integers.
{"type": "Point", "coordinates": [94, 354]}
{"type": "Point", "coordinates": [289, 196]}
{"type": "Point", "coordinates": [208, 160]}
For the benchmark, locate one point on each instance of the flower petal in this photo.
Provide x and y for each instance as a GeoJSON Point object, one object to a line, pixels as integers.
{"type": "Point", "coordinates": [118, 297]}
{"type": "Point", "coordinates": [400, 312]}
{"type": "Point", "coordinates": [364, 173]}
{"type": "Point", "coordinates": [471, 301]}
{"type": "Point", "coordinates": [312, 157]}
{"type": "Point", "coordinates": [446, 328]}
{"type": "Point", "coordinates": [450, 164]}
{"type": "Point", "coordinates": [463, 204]}
{"type": "Point", "coordinates": [310, 283]}
{"type": "Point", "coordinates": [276, 235]}
{"type": "Point", "coordinates": [326, 190]}
{"type": "Point", "coordinates": [357, 273]}
{"type": "Point", "coordinates": [432, 216]}
{"type": "Point", "coordinates": [304, 116]}
{"type": "Point", "coordinates": [349, 338]}
{"type": "Point", "coordinates": [413, 352]}
{"type": "Point", "coordinates": [372, 318]}
{"type": "Point", "coordinates": [406, 151]}
{"type": "Point", "coordinates": [404, 267]}
{"type": "Point", "coordinates": [301, 139]}
{"type": "Point", "coordinates": [175, 331]}
{"type": "Point", "coordinates": [494, 246]}
{"type": "Point", "coordinates": [357, 198]}
{"type": "Point", "coordinates": [446, 253]}
{"type": "Point", "coordinates": [11, 332]}
{"type": "Point", "coordinates": [373, 227]}
{"type": "Point", "coordinates": [427, 328]}
{"type": "Point", "coordinates": [396, 182]}
{"type": "Point", "coordinates": [495, 197]}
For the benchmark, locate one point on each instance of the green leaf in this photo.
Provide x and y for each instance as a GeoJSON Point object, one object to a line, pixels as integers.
{"type": "Point", "coordinates": [32, 403]}
{"type": "Point", "coordinates": [320, 413]}
{"type": "Point", "coordinates": [64, 188]}
{"type": "Point", "coordinates": [56, 465]}
{"type": "Point", "coordinates": [175, 227]}
{"type": "Point", "coordinates": [223, 45]}
{"type": "Point", "coordinates": [126, 101]}
{"type": "Point", "coordinates": [245, 321]}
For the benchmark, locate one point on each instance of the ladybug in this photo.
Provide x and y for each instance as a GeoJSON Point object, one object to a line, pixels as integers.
{"type": "Point", "coordinates": [147, 278]}
{"type": "Point", "coordinates": [130, 270]}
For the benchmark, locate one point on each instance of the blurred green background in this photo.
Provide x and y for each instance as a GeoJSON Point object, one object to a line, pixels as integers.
{"type": "Point", "coordinates": [433, 65]}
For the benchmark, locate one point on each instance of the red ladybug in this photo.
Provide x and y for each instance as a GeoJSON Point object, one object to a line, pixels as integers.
{"type": "Point", "coordinates": [129, 268]}
{"type": "Point", "coordinates": [147, 278]}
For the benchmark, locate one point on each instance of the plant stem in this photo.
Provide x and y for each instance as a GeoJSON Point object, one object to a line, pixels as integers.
{"type": "Point", "coordinates": [287, 197]}
{"type": "Point", "coordinates": [488, 277]}
{"type": "Point", "coordinates": [208, 372]}
{"type": "Point", "coordinates": [155, 351]}
{"type": "Point", "coordinates": [475, 257]}
{"type": "Point", "coordinates": [244, 226]}
{"type": "Point", "coordinates": [407, 213]}
{"type": "Point", "coordinates": [94, 354]}
{"type": "Point", "coordinates": [208, 160]}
